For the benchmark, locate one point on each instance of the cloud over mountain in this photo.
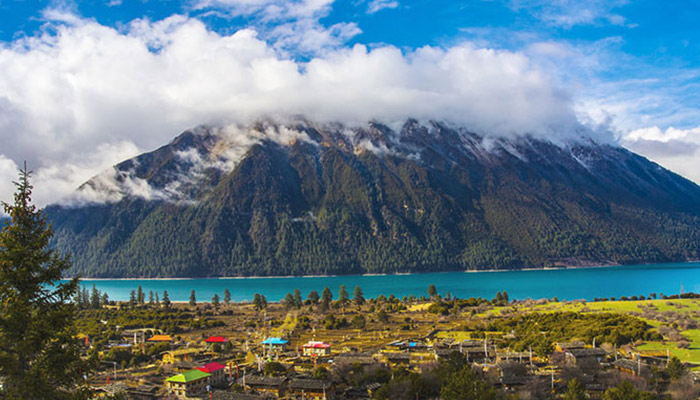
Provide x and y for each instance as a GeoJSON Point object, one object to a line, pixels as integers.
{"type": "Point", "coordinates": [82, 96]}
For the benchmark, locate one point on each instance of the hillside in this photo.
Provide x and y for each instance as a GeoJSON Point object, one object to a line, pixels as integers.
{"type": "Point", "coordinates": [304, 198]}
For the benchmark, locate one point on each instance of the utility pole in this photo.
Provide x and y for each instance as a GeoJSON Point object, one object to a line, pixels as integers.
{"type": "Point", "coordinates": [639, 365]}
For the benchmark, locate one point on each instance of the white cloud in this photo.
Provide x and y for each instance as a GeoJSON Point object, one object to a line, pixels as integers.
{"type": "Point", "coordinates": [377, 5]}
{"type": "Point", "coordinates": [570, 13]}
{"type": "Point", "coordinates": [77, 100]}
{"type": "Point", "coordinates": [675, 148]}
{"type": "Point", "coordinates": [291, 25]}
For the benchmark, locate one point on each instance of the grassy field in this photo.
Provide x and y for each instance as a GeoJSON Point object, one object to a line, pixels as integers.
{"type": "Point", "coordinates": [655, 312]}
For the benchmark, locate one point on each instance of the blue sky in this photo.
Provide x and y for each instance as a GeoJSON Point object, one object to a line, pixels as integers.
{"type": "Point", "coordinates": [67, 71]}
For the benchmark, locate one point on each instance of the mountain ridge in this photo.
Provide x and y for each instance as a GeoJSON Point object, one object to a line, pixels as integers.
{"type": "Point", "coordinates": [310, 199]}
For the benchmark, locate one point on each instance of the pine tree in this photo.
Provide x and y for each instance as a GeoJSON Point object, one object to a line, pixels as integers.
{"type": "Point", "coordinates": [193, 299]}
{"type": "Point", "coordinates": [94, 298]}
{"type": "Point", "coordinates": [39, 358]}
{"type": "Point", "coordinates": [151, 300]}
{"type": "Point", "coordinates": [326, 298]}
{"type": "Point", "coordinates": [432, 291]}
{"type": "Point", "coordinates": [227, 297]}
{"type": "Point", "coordinates": [358, 297]}
{"type": "Point", "coordinates": [132, 299]}
{"type": "Point", "coordinates": [85, 298]}
{"type": "Point", "coordinates": [263, 301]}
{"type": "Point", "coordinates": [297, 298]}
{"type": "Point", "coordinates": [105, 299]}
{"type": "Point", "coordinates": [215, 302]}
{"type": "Point", "coordinates": [313, 297]}
{"type": "Point", "coordinates": [157, 300]}
{"type": "Point", "coordinates": [257, 302]}
{"type": "Point", "coordinates": [343, 295]}
{"type": "Point", "coordinates": [166, 300]}
{"type": "Point", "coordinates": [288, 301]}
{"type": "Point", "coordinates": [78, 299]}
{"type": "Point", "coordinates": [140, 296]}
{"type": "Point", "coordinates": [574, 390]}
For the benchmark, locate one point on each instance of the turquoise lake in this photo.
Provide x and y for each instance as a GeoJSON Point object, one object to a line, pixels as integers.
{"type": "Point", "coordinates": [569, 284]}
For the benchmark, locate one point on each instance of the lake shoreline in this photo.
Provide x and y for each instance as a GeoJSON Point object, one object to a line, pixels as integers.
{"type": "Point", "coordinates": [470, 271]}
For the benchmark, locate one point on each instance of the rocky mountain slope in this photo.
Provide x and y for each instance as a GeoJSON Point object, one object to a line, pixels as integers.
{"type": "Point", "coordinates": [303, 198]}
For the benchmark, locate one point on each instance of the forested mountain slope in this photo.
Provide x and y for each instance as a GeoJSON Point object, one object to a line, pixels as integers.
{"type": "Point", "coordinates": [307, 198]}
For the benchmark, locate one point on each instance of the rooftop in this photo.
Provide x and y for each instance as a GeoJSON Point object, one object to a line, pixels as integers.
{"type": "Point", "coordinates": [211, 367]}
{"type": "Point", "coordinates": [188, 376]}
{"type": "Point", "coordinates": [317, 345]}
{"type": "Point", "coordinates": [216, 339]}
{"type": "Point", "coordinates": [258, 380]}
{"type": "Point", "coordinates": [309, 384]}
{"type": "Point", "coordinates": [274, 341]}
{"type": "Point", "coordinates": [160, 338]}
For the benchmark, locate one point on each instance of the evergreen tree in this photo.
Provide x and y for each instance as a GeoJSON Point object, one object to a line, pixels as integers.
{"type": "Point", "coordinates": [166, 300]}
{"type": "Point", "coordinates": [94, 298]}
{"type": "Point", "coordinates": [432, 291]}
{"type": "Point", "coordinates": [39, 358]}
{"type": "Point", "coordinates": [259, 302]}
{"type": "Point", "coordinates": [675, 368]}
{"type": "Point", "coordinates": [78, 300]}
{"type": "Point", "coordinates": [105, 299]}
{"type": "Point", "coordinates": [193, 299]}
{"type": "Point", "coordinates": [288, 301]}
{"type": "Point", "coordinates": [132, 299]}
{"type": "Point", "coordinates": [358, 297]}
{"type": "Point", "coordinates": [313, 297]}
{"type": "Point", "coordinates": [464, 384]}
{"type": "Point", "coordinates": [574, 390]}
{"type": "Point", "coordinates": [215, 301]}
{"type": "Point", "coordinates": [227, 297]}
{"type": "Point", "coordinates": [297, 298]}
{"type": "Point", "coordinates": [326, 298]}
{"type": "Point", "coordinates": [343, 295]}
{"type": "Point", "coordinates": [151, 299]}
{"type": "Point", "coordinates": [157, 300]}
{"type": "Point", "coordinates": [140, 296]}
{"type": "Point", "coordinates": [85, 302]}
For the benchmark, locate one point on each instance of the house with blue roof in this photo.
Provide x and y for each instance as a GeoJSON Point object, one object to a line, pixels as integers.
{"type": "Point", "coordinates": [274, 344]}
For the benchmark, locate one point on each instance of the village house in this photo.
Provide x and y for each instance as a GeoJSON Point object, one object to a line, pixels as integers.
{"type": "Point", "coordinates": [274, 345]}
{"type": "Point", "coordinates": [135, 336]}
{"type": "Point", "coordinates": [396, 358]}
{"type": "Point", "coordinates": [211, 340]}
{"type": "Point", "coordinates": [142, 392]}
{"type": "Point", "coordinates": [188, 384]}
{"type": "Point", "coordinates": [217, 372]}
{"type": "Point", "coordinates": [566, 346]}
{"type": "Point", "coordinates": [265, 385]}
{"type": "Point", "coordinates": [313, 389]}
{"type": "Point", "coordinates": [355, 358]}
{"type": "Point", "coordinates": [110, 390]}
{"type": "Point", "coordinates": [160, 339]}
{"type": "Point", "coordinates": [475, 351]}
{"type": "Point", "coordinates": [579, 356]}
{"type": "Point", "coordinates": [180, 356]}
{"type": "Point", "coordinates": [627, 366]}
{"type": "Point", "coordinates": [318, 349]}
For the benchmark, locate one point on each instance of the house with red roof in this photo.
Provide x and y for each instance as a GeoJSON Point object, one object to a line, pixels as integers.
{"type": "Point", "coordinates": [216, 339]}
{"type": "Point", "coordinates": [316, 348]}
{"type": "Point", "coordinates": [216, 371]}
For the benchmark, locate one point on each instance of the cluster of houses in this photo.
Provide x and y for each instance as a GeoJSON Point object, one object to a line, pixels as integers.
{"type": "Point", "coordinates": [200, 373]}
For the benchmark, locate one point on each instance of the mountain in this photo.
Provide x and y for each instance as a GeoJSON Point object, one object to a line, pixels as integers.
{"type": "Point", "coordinates": [304, 198]}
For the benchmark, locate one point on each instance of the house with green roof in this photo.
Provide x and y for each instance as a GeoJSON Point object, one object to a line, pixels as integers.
{"type": "Point", "coordinates": [188, 384]}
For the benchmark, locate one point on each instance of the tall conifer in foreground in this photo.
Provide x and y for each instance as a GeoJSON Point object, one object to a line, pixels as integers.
{"type": "Point", "coordinates": [39, 356]}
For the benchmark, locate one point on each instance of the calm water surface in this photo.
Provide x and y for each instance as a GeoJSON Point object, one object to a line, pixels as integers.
{"type": "Point", "coordinates": [569, 284]}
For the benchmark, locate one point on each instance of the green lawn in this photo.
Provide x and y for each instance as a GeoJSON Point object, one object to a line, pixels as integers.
{"type": "Point", "coordinates": [682, 306]}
